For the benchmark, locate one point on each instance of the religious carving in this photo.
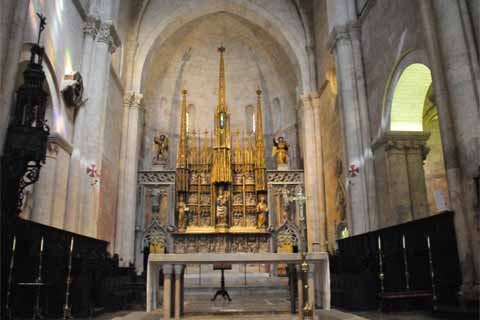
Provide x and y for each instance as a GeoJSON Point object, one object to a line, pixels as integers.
{"type": "Point", "coordinates": [182, 212]}
{"type": "Point", "coordinates": [220, 177]}
{"type": "Point", "coordinates": [160, 149]}
{"type": "Point", "coordinates": [262, 210]}
{"type": "Point", "coordinates": [284, 177]}
{"type": "Point", "coordinates": [156, 177]}
{"type": "Point", "coordinates": [222, 208]}
{"type": "Point", "coordinates": [280, 152]}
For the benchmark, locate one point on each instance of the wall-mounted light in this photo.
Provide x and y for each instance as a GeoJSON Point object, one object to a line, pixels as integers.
{"type": "Point", "coordinates": [72, 91]}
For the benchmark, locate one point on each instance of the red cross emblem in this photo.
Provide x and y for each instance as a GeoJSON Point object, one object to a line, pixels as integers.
{"type": "Point", "coordinates": [354, 170]}
{"type": "Point", "coordinates": [92, 172]}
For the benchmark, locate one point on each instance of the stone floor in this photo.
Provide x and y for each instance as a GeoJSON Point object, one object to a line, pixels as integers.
{"type": "Point", "coordinates": [323, 315]}
{"type": "Point", "coordinates": [256, 296]}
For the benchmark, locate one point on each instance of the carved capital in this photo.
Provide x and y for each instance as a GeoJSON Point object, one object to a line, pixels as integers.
{"type": "Point", "coordinates": [339, 34]}
{"type": "Point", "coordinates": [404, 141]}
{"type": "Point", "coordinates": [133, 100]}
{"type": "Point", "coordinates": [52, 149]}
{"type": "Point", "coordinates": [90, 28]}
{"type": "Point", "coordinates": [108, 34]}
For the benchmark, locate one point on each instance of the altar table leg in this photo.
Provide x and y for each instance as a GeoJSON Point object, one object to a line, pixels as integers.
{"type": "Point", "coordinates": [149, 287]}
{"type": "Point", "coordinates": [300, 292]}
{"type": "Point", "coordinates": [167, 291]}
{"type": "Point", "coordinates": [178, 291]}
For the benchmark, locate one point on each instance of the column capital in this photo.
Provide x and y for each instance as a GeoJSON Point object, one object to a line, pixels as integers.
{"type": "Point", "coordinates": [133, 99]}
{"type": "Point", "coordinates": [90, 26]}
{"type": "Point", "coordinates": [107, 33]}
{"type": "Point", "coordinates": [344, 33]}
{"type": "Point", "coordinates": [178, 268]}
{"type": "Point", "coordinates": [167, 269]}
{"type": "Point", "coordinates": [403, 141]}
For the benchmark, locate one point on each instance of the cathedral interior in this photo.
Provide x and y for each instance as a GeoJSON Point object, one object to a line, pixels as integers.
{"type": "Point", "coordinates": [240, 159]}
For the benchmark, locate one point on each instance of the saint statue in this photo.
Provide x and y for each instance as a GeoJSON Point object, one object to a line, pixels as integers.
{"type": "Point", "coordinates": [280, 151]}
{"type": "Point", "coordinates": [182, 211]}
{"type": "Point", "coordinates": [222, 202]}
{"type": "Point", "coordinates": [262, 210]}
{"type": "Point", "coordinates": [160, 149]}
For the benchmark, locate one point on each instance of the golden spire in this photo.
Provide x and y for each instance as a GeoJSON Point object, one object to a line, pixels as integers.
{"type": "Point", "coordinates": [222, 105]}
{"type": "Point", "coordinates": [260, 163]}
{"type": "Point", "coordinates": [221, 166]}
{"type": "Point", "coordinates": [182, 163]}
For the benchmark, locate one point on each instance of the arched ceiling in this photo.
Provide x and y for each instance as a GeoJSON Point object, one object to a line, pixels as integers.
{"type": "Point", "coordinates": [159, 20]}
{"type": "Point", "coordinates": [189, 59]}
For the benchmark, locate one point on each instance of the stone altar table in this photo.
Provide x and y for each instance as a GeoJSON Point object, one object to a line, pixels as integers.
{"type": "Point", "coordinates": [174, 262]}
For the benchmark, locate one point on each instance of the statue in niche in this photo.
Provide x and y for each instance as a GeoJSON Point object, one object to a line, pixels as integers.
{"type": "Point", "coordinates": [182, 212]}
{"type": "Point", "coordinates": [237, 218]}
{"type": "Point", "coordinates": [160, 149]}
{"type": "Point", "coordinates": [285, 198]}
{"type": "Point", "coordinates": [156, 195]}
{"type": "Point", "coordinates": [262, 210]}
{"type": "Point", "coordinates": [222, 207]}
{"type": "Point", "coordinates": [280, 152]}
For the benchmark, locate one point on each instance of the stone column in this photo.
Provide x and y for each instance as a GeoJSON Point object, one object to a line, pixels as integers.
{"type": "Point", "coordinates": [178, 291]}
{"type": "Point", "coordinates": [356, 146]}
{"type": "Point", "coordinates": [44, 189]}
{"type": "Point", "coordinates": [315, 233]}
{"type": "Point", "coordinates": [167, 291]}
{"type": "Point", "coordinates": [404, 153]}
{"type": "Point", "coordinates": [457, 98]}
{"type": "Point", "coordinates": [77, 166]}
{"type": "Point", "coordinates": [320, 173]}
{"type": "Point", "coordinates": [125, 235]}
{"type": "Point", "coordinates": [93, 128]}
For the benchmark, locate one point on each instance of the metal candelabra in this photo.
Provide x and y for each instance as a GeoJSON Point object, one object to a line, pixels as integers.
{"type": "Point", "coordinates": [8, 309]}
{"type": "Point", "coordinates": [67, 309]}
{"type": "Point", "coordinates": [37, 310]}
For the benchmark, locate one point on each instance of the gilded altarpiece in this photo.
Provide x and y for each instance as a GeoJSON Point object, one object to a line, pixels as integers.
{"type": "Point", "coordinates": [220, 198]}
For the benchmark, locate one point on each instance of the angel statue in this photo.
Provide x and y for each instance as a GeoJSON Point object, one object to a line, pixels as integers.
{"type": "Point", "coordinates": [160, 149]}
{"type": "Point", "coordinates": [221, 212]}
{"type": "Point", "coordinates": [280, 151]}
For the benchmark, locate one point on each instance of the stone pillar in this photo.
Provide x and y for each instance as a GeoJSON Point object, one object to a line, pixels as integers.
{"type": "Point", "coordinates": [356, 144]}
{"type": "Point", "coordinates": [404, 153]}
{"type": "Point", "coordinates": [125, 234]}
{"type": "Point", "coordinates": [77, 166]}
{"type": "Point", "coordinates": [457, 98]}
{"type": "Point", "coordinates": [44, 189]}
{"type": "Point", "coordinates": [320, 173]}
{"type": "Point", "coordinates": [315, 233]}
{"type": "Point", "coordinates": [167, 291]}
{"type": "Point", "coordinates": [178, 291]}
{"type": "Point", "coordinates": [94, 125]}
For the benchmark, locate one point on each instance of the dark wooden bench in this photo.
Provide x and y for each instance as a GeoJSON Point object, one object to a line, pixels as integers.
{"type": "Point", "coordinates": [387, 299]}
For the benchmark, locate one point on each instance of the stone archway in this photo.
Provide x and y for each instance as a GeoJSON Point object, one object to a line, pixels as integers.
{"type": "Point", "coordinates": [292, 41]}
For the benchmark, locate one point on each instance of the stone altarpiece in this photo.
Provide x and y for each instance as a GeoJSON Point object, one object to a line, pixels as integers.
{"type": "Point", "coordinates": [220, 198]}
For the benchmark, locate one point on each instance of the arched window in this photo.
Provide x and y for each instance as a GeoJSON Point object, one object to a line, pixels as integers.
{"type": "Point", "coordinates": [250, 119]}
{"type": "Point", "coordinates": [409, 98]}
